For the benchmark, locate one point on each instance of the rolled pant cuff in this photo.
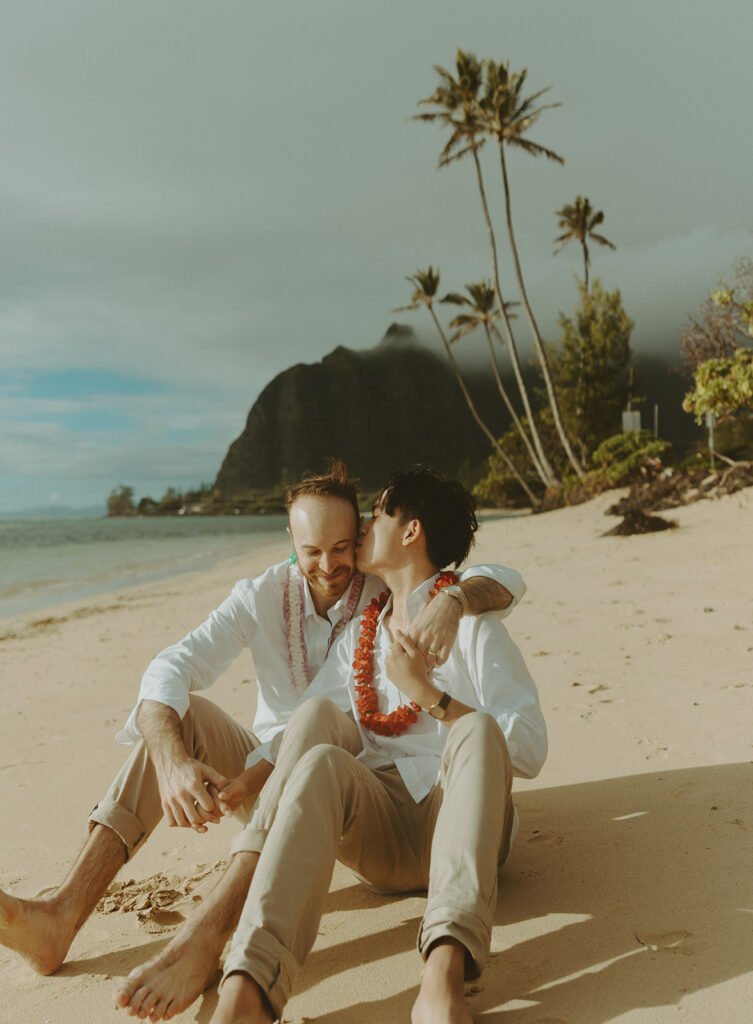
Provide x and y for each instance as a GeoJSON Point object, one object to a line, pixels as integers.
{"type": "Point", "coordinates": [471, 930]}
{"type": "Point", "coordinates": [249, 840]}
{"type": "Point", "coordinates": [124, 824]}
{"type": "Point", "coordinates": [269, 964]}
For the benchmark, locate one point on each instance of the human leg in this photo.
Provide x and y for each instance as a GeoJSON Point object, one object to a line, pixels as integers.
{"type": "Point", "coordinates": [329, 797]}
{"type": "Point", "coordinates": [314, 722]}
{"type": "Point", "coordinates": [132, 807]}
{"type": "Point", "coordinates": [42, 930]}
{"type": "Point", "coordinates": [170, 981]}
{"type": "Point", "coordinates": [468, 824]}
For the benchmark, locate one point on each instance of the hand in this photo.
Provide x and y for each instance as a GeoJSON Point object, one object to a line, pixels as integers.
{"type": "Point", "coordinates": [234, 793]}
{"type": "Point", "coordinates": [434, 629]}
{"type": "Point", "coordinates": [406, 667]}
{"type": "Point", "coordinates": [189, 793]}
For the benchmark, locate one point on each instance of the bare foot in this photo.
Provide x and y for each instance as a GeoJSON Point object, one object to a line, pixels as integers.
{"type": "Point", "coordinates": [438, 1009]}
{"type": "Point", "coordinates": [241, 1002]}
{"type": "Point", "coordinates": [441, 998]}
{"type": "Point", "coordinates": [35, 930]}
{"type": "Point", "coordinates": [170, 981]}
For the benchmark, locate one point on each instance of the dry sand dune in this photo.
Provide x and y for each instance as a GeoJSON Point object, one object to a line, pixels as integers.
{"type": "Point", "coordinates": [627, 895]}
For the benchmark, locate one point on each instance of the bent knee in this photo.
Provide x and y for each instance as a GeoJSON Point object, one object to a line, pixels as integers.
{"type": "Point", "coordinates": [481, 732]}
{"type": "Point", "coordinates": [325, 761]}
{"type": "Point", "coordinates": [314, 707]}
{"type": "Point", "coordinates": [318, 719]}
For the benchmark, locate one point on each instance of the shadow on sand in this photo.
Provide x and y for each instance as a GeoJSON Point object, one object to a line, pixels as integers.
{"type": "Point", "coordinates": [655, 870]}
{"type": "Point", "coordinates": [619, 894]}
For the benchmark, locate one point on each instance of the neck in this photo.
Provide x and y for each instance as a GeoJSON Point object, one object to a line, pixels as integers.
{"type": "Point", "coordinates": [402, 582]}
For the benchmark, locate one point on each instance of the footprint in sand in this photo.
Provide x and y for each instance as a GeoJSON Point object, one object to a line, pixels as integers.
{"type": "Point", "coordinates": [156, 921]}
{"type": "Point", "coordinates": [156, 893]}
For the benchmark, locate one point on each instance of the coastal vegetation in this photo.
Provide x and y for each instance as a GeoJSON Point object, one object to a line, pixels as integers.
{"type": "Point", "coordinates": [555, 430]}
{"type": "Point", "coordinates": [539, 434]}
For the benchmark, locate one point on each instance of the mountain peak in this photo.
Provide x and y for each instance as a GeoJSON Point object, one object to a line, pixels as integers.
{"type": "Point", "coordinates": [399, 336]}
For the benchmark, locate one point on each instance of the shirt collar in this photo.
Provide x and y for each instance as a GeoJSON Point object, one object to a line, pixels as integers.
{"type": "Point", "coordinates": [416, 600]}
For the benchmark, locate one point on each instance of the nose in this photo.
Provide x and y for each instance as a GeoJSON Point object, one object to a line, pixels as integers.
{"type": "Point", "coordinates": [326, 564]}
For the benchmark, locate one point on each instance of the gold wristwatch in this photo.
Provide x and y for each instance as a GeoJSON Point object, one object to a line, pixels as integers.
{"type": "Point", "coordinates": [439, 710]}
{"type": "Point", "coordinates": [456, 592]}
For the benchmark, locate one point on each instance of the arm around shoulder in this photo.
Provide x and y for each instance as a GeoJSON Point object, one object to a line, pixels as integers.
{"type": "Point", "coordinates": [492, 588]}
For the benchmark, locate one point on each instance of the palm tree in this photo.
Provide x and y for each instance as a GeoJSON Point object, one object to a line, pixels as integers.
{"type": "Point", "coordinates": [506, 116]}
{"type": "Point", "coordinates": [457, 107]}
{"type": "Point", "coordinates": [481, 301]}
{"type": "Point", "coordinates": [425, 286]}
{"type": "Point", "coordinates": [577, 222]}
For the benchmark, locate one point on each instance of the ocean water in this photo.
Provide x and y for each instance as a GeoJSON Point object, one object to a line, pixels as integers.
{"type": "Point", "coordinates": [46, 561]}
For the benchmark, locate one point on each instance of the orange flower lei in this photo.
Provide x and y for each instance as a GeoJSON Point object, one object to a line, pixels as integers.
{"type": "Point", "coordinates": [367, 701]}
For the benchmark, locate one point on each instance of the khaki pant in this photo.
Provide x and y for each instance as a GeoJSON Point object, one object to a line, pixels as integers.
{"type": "Point", "coordinates": [132, 806]}
{"type": "Point", "coordinates": [323, 804]}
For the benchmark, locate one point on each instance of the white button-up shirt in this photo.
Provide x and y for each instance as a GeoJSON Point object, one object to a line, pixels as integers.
{"type": "Point", "coordinates": [253, 616]}
{"type": "Point", "coordinates": [485, 670]}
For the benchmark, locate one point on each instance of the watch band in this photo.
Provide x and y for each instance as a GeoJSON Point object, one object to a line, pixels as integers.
{"type": "Point", "coordinates": [439, 710]}
{"type": "Point", "coordinates": [456, 593]}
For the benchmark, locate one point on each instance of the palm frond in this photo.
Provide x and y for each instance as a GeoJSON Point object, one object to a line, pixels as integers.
{"type": "Point", "coordinates": [535, 149]}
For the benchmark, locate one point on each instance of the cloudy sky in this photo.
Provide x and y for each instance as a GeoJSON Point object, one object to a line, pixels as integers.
{"type": "Point", "coordinates": [194, 196]}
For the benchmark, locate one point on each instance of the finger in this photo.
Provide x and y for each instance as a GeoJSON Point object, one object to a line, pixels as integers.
{"type": "Point", "coordinates": [406, 643]}
{"type": "Point", "coordinates": [207, 813]}
{"type": "Point", "coordinates": [186, 813]}
{"type": "Point", "coordinates": [421, 639]}
{"type": "Point", "coordinates": [201, 799]}
{"type": "Point", "coordinates": [212, 775]}
{"type": "Point", "coordinates": [442, 654]}
{"type": "Point", "coordinates": [169, 816]}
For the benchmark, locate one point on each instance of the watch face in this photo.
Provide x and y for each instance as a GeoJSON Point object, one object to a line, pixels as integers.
{"type": "Point", "coordinates": [437, 711]}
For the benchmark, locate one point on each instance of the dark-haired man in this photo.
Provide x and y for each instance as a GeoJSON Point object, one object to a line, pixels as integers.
{"type": "Point", "coordinates": [416, 793]}
{"type": "Point", "coordinates": [196, 763]}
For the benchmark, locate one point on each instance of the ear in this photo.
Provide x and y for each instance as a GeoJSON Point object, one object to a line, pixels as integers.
{"type": "Point", "coordinates": [412, 532]}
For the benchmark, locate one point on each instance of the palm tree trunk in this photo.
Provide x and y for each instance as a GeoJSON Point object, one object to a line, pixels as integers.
{"type": "Point", "coordinates": [538, 344]}
{"type": "Point", "coordinates": [511, 408]}
{"type": "Point", "coordinates": [548, 473]}
{"type": "Point", "coordinates": [474, 412]}
{"type": "Point", "coordinates": [585, 261]}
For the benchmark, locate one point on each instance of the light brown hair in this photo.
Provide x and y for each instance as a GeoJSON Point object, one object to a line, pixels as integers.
{"type": "Point", "coordinates": [335, 483]}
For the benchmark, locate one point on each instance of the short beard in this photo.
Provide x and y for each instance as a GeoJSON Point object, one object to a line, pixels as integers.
{"type": "Point", "coordinates": [331, 589]}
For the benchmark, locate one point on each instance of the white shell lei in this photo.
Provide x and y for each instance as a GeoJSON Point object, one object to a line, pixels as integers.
{"type": "Point", "coordinates": [293, 604]}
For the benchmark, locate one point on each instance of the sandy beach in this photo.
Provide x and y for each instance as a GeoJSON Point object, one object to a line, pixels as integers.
{"type": "Point", "coordinates": [628, 893]}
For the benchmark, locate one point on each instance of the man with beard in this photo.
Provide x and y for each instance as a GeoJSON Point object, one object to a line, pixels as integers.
{"type": "Point", "coordinates": [415, 793]}
{"type": "Point", "coordinates": [193, 763]}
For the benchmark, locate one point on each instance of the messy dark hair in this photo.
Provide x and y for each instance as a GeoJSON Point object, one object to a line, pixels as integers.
{"type": "Point", "coordinates": [445, 509]}
{"type": "Point", "coordinates": [335, 483]}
